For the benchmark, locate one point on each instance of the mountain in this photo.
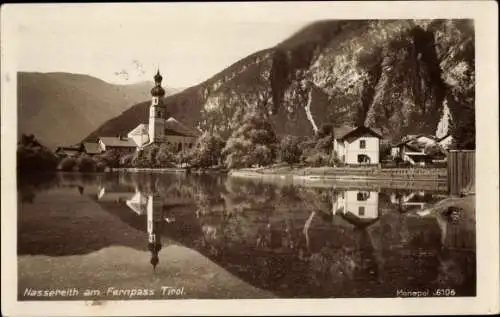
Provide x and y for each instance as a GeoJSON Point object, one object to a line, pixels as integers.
{"type": "Point", "coordinates": [62, 108]}
{"type": "Point", "coordinates": [400, 76]}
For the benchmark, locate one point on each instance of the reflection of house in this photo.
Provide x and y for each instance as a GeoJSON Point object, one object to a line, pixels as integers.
{"type": "Point", "coordinates": [413, 201]}
{"type": "Point", "coordinates": [359, 208]}
{"type": "Point", "coordinates": [114, 194]}
{"type": "Point", "coordinates": [160, 129]}
{"type": "Point", "coordinates": [358, 145]}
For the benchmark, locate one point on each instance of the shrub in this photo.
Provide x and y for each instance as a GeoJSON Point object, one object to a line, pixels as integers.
{"type": "Point", "coordinates": [318, 159]}
{"type": "Point", "coordinates": [110, 158]}
{"type": "Point", "coordinates": [86, 164]}
{"type": "Point", "coordinates": [126, 160]}
{"type": "Point", "coordinates": [68, 164]}
{"type": "Point", "coordinates": [289, 150]}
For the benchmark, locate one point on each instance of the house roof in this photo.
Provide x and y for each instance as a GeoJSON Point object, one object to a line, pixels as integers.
{"type": "Point", "coordinates": [74, 147]}
{"type": "Point", "coordinates": [345, 130]}
{"type": "Point", "coordinates": [117, 142]}
{"type": "Point", "coordinates": [91, 148]}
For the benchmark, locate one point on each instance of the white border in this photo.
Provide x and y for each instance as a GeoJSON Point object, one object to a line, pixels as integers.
{"type": "Point", "coordinates": [485, 18]}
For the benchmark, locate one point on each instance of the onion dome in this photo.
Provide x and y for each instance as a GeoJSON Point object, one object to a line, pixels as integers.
{"type": "Point", "coordinates": [157, 91]}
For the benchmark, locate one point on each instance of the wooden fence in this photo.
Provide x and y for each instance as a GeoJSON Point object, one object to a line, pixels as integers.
{"type": "Point", "coordinates": [461, 172]}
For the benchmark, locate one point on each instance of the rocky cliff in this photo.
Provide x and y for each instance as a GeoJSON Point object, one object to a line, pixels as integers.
{"type": "Point", "coordinates": [401, 76]}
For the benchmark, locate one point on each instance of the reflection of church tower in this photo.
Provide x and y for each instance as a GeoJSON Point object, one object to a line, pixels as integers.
{"type": "Point", "coordinates": [157, 111]}
{"type": "Point", "coordinates": [155, 220]}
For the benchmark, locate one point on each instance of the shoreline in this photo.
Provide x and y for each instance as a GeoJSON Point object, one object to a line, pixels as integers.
{"type": "Point", "coordinates": [335, 177]}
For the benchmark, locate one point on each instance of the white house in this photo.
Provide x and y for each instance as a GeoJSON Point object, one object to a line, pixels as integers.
{"type": "Point", "coordinates": [357, 145]}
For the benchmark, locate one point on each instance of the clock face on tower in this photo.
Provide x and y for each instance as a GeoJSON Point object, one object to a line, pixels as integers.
{"type": "Point", "coordinates": [155, 101]}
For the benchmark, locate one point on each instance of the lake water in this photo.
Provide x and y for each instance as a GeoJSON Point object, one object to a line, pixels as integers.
{"type": "Point", "coordinates": [143, 236]}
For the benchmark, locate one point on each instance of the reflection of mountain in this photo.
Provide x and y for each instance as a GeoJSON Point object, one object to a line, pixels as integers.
{"type": "Point", "coordinates": [292, 241]}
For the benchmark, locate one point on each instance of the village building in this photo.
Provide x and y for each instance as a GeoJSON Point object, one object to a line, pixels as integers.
{"type": "Point", "coordinates": [357, 145]}
{"type": "Point", "coordinates": [89, 148]}
{"type": "Point", "coordinates": [68, 151]}
{"type": "Point", "coordinates": [120, 144]}
{"type": "Point", "coordinates": [159, 129]}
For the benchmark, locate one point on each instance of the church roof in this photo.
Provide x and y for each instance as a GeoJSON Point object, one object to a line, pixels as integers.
{"type": "Point", "coordinates": [172, 126]}
{"type": "Point", "coordinates": [140, 129]}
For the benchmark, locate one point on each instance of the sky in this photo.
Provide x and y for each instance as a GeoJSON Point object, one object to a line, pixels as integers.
{"type": "Point", "coordinates": [126, 43]}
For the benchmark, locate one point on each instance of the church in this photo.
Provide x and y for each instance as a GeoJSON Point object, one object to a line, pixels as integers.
{"type": "Point", "coordinates": [159, 130]}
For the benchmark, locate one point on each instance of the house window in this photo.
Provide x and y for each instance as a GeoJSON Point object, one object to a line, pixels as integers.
{"type": "Point", "coordinates": [361, 211]}
{"type": "Point", "coordinates": [362, 144]}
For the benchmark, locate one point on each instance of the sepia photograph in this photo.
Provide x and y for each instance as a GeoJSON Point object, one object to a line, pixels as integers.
{"type": "Point", "coordinates": [167, 153]}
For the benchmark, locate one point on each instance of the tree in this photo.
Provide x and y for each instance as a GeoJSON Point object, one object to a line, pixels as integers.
{"type": "Point", "coordinates": [164, 156]}
{"type": "Point", "coordinates": [207, 150]}
{"type": "Point", "coordinates": [150, 154]}
{"type": "Point", "coordinates": [321, 153]}
{"type": "Point", "coordinates": [384, 150]}
{"type": "Point", "coordinates": [289, 150]}
{"type": "Point", "coordinates": [254, 142]}
{"type": "Point", "coordinates": [32, 156]}
{"type": "Point", "coordinates": [68, 164]}
{"type": "Point", "coordinates": [86, 164]}
{"type": "Point", "coordinates": [126, 160]}
{"type": "Point", "coordinates": [111, 158]}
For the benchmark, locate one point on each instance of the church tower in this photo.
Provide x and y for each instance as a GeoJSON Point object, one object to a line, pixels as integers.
{"type": "Point", "coordinates": [157, 111]}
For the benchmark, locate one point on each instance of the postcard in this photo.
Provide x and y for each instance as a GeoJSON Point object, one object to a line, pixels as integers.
{"type": "Point", "coordinates": [306, 158]}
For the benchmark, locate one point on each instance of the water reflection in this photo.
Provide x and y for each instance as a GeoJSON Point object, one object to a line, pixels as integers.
{"type": "Point", "coordinates": [293, 241]}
